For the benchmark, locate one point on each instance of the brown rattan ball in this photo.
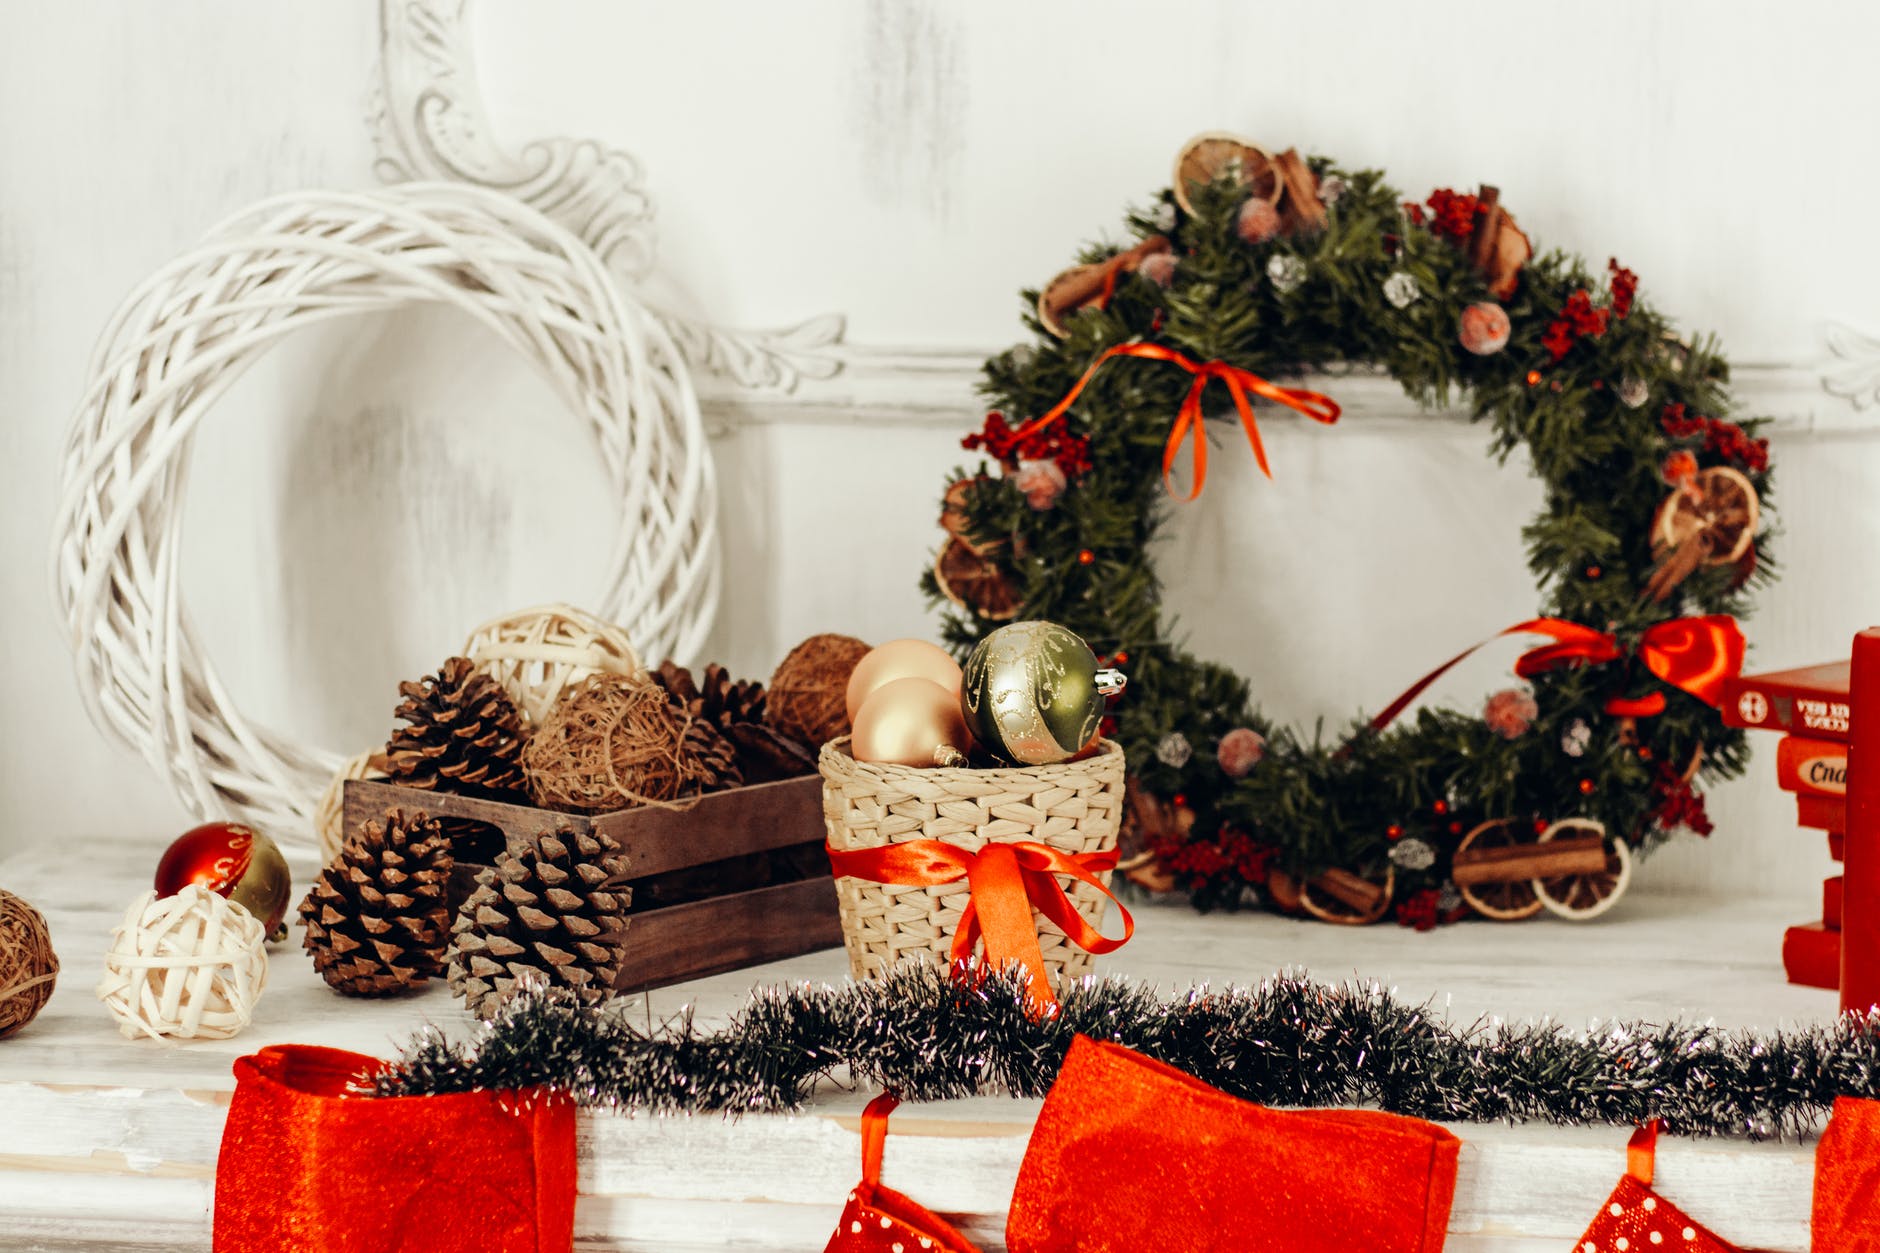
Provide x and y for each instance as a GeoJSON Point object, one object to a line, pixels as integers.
{"type": "Point", "coordinates": [808, 693]}
{"type": "Point", "coordinates": [613, 742]}
{"type": "Point", "coordinates": [28, 966]}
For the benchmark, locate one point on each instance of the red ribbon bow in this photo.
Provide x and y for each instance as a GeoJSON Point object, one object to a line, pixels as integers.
{"type": "Point", "coordinates": [1239, 382]}
{"type": "Point", "coordinates": [1007, 882]}
{"type": "Point", "coordinates": [1693, 654]}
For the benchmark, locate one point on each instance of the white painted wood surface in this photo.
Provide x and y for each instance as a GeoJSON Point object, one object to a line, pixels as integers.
{"type": "Point", "coordinates": [111, 1143]}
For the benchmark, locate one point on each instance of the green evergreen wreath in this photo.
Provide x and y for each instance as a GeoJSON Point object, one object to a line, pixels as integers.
{"type": "Point", "coordinates": [1285, 266]}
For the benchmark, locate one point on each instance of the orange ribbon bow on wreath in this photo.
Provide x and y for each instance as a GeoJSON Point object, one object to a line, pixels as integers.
{"type": "Point", "coordinates": [1007, 882]}
{"type": "Point", "coordinates": [1692, 654]}
{"type": "Point", "coordinates": [1188, 419]}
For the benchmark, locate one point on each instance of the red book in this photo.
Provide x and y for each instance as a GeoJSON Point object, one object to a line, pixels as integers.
{"type": "Point", "coordinates": [1831, 903]}
{"type": "Point", "coordinates": [1810, 701]}
{"type": "Point", "coordinates": [1811, 956]}
{"type": "Point", "coordinates": [1837, 846]}
{"type": "Point", "coordinates": [1821, 813]}
{"type": "Point", "coordinates": [1812, 767]}
{"type": "Point", "coordinates": [1860, 924]}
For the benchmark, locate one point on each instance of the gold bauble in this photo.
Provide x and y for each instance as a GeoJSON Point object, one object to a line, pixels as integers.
{"type": "Point", "coordinates": [267, 889]}
{"type": "Point", "coordinates": [909, 722]}
{"type": "Point", "coordinates": [1033, 693]}
{"type": "Point", "coordinates": [901, 659]}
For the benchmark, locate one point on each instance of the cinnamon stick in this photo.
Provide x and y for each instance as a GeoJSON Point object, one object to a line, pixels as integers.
{"type": "Point", "coordinates": [1361, 895]}
{"type": "Point", "coordinates": [1080, 285]}
{"type": "Point", "coordinates": [1487, 228]}
{"type": "Point", "coordinates": [1299, 203]}
{"type": "Point", "coordinates": [1579, 854]}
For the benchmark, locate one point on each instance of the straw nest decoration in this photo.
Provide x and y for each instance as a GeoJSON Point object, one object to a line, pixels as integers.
{"type": "Point", "coordinates": [808, 694]}
{"type": "Point", "coordinates": [1073, 806]}
{"type": "Point", "coordinates": [537, 653]}
{"type": "Point", "coordinates": [189, 966]}
{"type": "Point", "coordinates": [329, 814]}
{"type": "Point", "coordinates": [613, 743]}
{"type": "Point", "coordinates": [28, 966]}
{"type": "Point", "coordinates": [186, 334]}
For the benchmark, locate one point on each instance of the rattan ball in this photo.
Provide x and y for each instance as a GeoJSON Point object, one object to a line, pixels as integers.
{"type": "Point", "coordinates": [28, 966]}
{"type": "Point", "coordinates": [808, 693]}
{"type": "Point", "coordinates": [612, 743]}
{"type": "Point", "coordinates": [537, 654]}
{"type": "Point", "coordinates": [189, 966]}
{"type": "Point", "coordinates": [329, 816]}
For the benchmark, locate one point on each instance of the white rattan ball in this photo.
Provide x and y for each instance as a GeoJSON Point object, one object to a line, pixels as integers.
{"type": "Point", "coordinates": [329, 815]}
{"type": "Point", "coordinates": [189, 966]}
{"type": "Point", "coordinates": [537, 653]}
{"type": "Point", "coordinates": [186, 335]}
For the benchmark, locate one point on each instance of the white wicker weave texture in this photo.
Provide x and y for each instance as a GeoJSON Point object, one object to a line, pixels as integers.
{"type": "Point", "coordinates": [188, 332]}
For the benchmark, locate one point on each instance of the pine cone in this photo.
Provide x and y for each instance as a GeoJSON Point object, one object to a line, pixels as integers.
{"type": "Point", "coordinates": [376, 918]}
{"type": "Point", "coordinates": [465, 735]}
{"type": "Point", "coordinates": [556, 913]}
{"type": "Point", "coordinates": [714, 757]}
{"type": "Point", "coordinates": [735, 709]}
{"type": "Point", "coordinates": [719, 699]}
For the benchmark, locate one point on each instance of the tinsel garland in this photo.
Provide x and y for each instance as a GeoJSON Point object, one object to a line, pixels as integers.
{"type": "Point", "coordinates": [1288, 1041]}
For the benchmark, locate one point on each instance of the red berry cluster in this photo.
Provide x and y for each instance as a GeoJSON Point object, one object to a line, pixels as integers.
{"type": "Point", "coordinates": [1420, 910]}
{"type": "Point", "coordinates": [1453, 214]}
{"type": "Point", "coordinates": [1579, 319]}
{"type": "Point", "coordinates": [1676, 804]}
{"type": "Point", "coordinates": [1051, 442]}
{"type": "Point", "coordinates": [1722, 439]}
{"type": "Point", "coordinates": [1624, 288]}
{"type": "Point", "coordinates": [1229, 851]}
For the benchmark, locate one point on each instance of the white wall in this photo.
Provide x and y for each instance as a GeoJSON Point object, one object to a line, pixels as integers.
{"type": "Point", "coordinates": [371, 491]}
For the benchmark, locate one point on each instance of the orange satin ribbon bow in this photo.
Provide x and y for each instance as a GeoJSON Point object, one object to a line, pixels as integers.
{"type": "Point", "coordinates": [1693, 654]}
{"type": "Point", "coordinates": [1239, 382]}
{"type": "Point", "coordinates": [1007, 881]}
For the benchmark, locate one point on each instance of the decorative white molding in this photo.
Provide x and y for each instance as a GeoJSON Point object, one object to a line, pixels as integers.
{"type": "Point", "coordinates": [1857, 379]}
{"type": "Point", "coordinates": [939, 388]}
{"type": "Point", "coordinates": [428, 122]}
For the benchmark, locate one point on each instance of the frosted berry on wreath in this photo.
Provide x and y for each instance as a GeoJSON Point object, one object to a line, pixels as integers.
{"type": "Point", "coordinates": [1654, 534]}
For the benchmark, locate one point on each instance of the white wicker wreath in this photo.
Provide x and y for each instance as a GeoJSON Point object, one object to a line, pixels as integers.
{"type": "Point", "coordinates": [189, 332]}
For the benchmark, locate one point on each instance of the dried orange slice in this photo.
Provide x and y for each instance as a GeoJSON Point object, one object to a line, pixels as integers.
{"type": "Point", "coordinates": [1207, 156]}
{"type": "Point", "coordinates": [1505, 900]}
{"type": "Point", "coordinates": [975, 583]}
{"type": "Point", "coordinates": [1582, 896]}
{"type": "Point", "coordinates": [1721, 512]}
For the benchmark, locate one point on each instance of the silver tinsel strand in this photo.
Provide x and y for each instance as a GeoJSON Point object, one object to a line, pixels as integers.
{"type": "Point", "coordinates": [1286, 1041]}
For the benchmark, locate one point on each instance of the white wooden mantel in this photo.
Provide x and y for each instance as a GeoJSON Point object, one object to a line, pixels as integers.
{"type": "Point", "coordinates": [110, 1144]}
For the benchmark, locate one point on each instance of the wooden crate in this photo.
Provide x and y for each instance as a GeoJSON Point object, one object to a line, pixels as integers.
{"type": "Point", "coordinates": [670, 943]}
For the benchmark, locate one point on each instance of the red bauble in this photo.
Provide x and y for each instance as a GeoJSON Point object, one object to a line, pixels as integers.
{"type": "Point", "coordinates": [1240, 750]}
{"type": "Point", "coordinates": [1485, 329]}
{"type": "Point", "coordinates": [1159, 268]}
{"type": "Point", "coordinates": [231, 860]}
{"type": "Point", "coordinates": [1257, 222]}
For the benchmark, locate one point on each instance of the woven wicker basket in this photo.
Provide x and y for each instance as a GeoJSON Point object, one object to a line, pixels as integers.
{"type": "Point", "coordinates": [1074, 807]}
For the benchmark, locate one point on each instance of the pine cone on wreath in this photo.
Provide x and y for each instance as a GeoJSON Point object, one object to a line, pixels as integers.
{"type": "Point", "coordinates": [556, 913]}
{"type": "Point", "coordinates": [376, 918]}
{"type": "Point", "coordinates": [736, 711]}
{"type": "Point", "coordinates": [464, 734]}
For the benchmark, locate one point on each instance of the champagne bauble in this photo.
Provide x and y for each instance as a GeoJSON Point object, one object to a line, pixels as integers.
{"type": "Point", "coordinates": [901, 659]}
{"type": "Point", "coordinates": [1032, 693]}
{"type": "Point", "coordinates": [910, 722]}
{"type": "Point", "coordinates": [235, 861]}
